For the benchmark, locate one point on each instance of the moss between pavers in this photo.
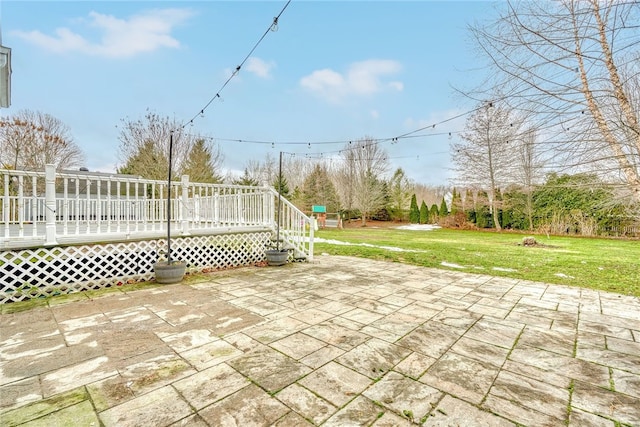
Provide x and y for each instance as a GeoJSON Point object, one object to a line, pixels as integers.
{"type": "Point", "coordinates": [81, 414]}
{"type": "Point", "coordinates": [139, 286]}
{"type": "Point", "coordinates": [163, 372]}
{"type": "Point", "coordinates": [45, 407]}
{"type": "Point", "coordinates": [116, 390]}
{"type": "Point", "coordinates": [17, 307]}
{"type": "Point", "coordinates": [109, 392]}
{"type": "Point", "coordinates": [67, 298]}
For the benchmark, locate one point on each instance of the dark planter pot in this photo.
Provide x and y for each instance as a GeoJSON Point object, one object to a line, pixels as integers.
{"type": "Point", "coordinates": [277, 257]}
{"type": "Point", "coordinates": [169, 273]}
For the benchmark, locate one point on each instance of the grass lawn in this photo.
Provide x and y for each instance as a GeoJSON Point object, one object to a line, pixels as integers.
{"type": "Point", "coordinates": [603, 264]}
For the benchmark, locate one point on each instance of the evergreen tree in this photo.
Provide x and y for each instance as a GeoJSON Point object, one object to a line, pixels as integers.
{"type": "Point", "coordinates": [199, 164]}
{"type": "Point", "coordinates": [414, 212]}
{"type": "Point", "coordinates": [444, 210]}
{"type": "Point", "coordinates": [318, 189]}
{"type": "Point", "coordinates": [483, 213]}
{"type": "Point", "coordinates": [434, 215]}
{"type": "Point", "coordinates": [470, 207]}
{"type": "Point", "coordinates": [144, 149]}
{"type": "Point", "coordinates": [456, 202]}
{"type": "Point", "coordinates": [138, 163]}
{"type": "Point", "coordinates": [513, 208]}
{"type": "Point", "coordinates": [399, 189]}
{"type": "Point", "coordinates": [281, 186]}
{"type": "Point", "coordinates": [424, 213]}
{"type": "Point", "coordinates": [245, 179]}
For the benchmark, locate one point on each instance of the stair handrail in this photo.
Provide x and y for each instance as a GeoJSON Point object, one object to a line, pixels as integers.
{"type": "Point", "coordinates": [296, 228]}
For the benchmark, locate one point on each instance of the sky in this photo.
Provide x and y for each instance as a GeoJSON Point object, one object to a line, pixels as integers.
{"type": "Point", "coordinates": [334, 71]}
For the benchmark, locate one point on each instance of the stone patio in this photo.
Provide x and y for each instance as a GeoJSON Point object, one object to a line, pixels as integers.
{"type": "Point", "coordinates": [338, 342]}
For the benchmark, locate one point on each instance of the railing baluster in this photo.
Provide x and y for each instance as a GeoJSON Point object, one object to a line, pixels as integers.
{"type": "Point", "coordinates": [64, 217]}
{"type": "Point", "coordinates": [6, 205]}
{"type": "Point", "coordinates": [76, 204]}
{"type": "Point", "coordinates": [98, 203]}
{"type": "Point", "coordinates": [109, 212]}
{"type": "Point", "coordinates": [34, 205]}
{"type": "Point", "coordinates": [121, 207]}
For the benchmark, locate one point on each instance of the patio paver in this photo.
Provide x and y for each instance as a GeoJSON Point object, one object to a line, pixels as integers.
{"type": "Point", "coordinates": [340, 341]}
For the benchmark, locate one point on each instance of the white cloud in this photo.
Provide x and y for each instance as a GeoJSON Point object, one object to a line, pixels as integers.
{"type": "Point", "coordinates": [360, 79]}
{"type": "Point", "coordinates": [259, 67]}
{"type": "Point", "coordinates": [375, 114]}
{"type": "Point", "coordinates": [399, 86]}
{"type": "Point", "coordinates": [140, 33]}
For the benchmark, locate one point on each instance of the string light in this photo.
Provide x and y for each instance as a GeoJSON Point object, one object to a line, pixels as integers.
{"type": "Point", "coordinates": [272, 28]}
{"type": "Point", "coordinates": [394, 140]}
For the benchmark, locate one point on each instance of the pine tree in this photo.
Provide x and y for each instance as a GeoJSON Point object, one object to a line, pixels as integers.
{"type": "Point", "coordinates": [245, 179]}
{"type": "Point", "coordinates": [470, 207]}
{"type": "Point", "coordinates": [424, 213]}
{"type": "Point", "coordinates": [414, 212]}
{"type": "Point", "coordinates": [483, 213]}
{"type": "Point", "coordinates": [456, 202]}
{"type": "Point", "coordinates": [399, 189]}
{"type": "Point", "coordinates": [199, 164]}
{"type": "Point", "coordinates": [434, 214]}
{"type": "Point", "coordinates": [444, 210]}
{"type": "Point", "coordinates": [282, 186]}
{"type": "Point", "coordinates": [318, 189]}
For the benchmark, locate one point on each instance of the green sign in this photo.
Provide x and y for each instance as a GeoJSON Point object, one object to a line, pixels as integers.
{"type": "Point", "coordinates": [319, 209]}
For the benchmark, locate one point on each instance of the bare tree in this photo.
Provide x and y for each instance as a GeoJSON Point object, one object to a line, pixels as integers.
{"type": "Point", "coordinates": [430, 194]}
{"type": "Point", "coordinates": [296, 169]}
{"type": "Point", "coordinates": [144, 148]}
{"type": "Point", "coordinates": [528, 169]}
{"type": "Point", "coordinates": [362, 171]}
{"type": "Point", "coordinates": [344, 176]}
{"type": "Point", "coordinates": [265, 171]}
{"type": "Point", "coordinates": [33, 139]}
{"type": "Point", "coordinates": [572, 65]}
{"type": "Point", "coordinates": [483, 155]}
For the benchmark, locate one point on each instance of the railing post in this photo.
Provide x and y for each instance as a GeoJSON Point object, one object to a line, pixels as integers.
{"type": "Point", "coordinates": [311, 231]}
{"type": "Point", "coordinates": [50, 204]}
{"type": "Point", "coordinates": [184, 208]}
{"type": "Point", "coordinates": [268, 215]}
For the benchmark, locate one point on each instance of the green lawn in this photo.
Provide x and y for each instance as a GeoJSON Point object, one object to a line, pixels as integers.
{"type": "Point", "coordinates": [604, 264]}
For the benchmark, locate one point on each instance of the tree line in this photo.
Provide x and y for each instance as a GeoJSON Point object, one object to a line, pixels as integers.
{"type": "Point", "coordinates": [552, 143]}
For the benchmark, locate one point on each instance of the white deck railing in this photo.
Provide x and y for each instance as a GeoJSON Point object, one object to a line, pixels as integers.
{"type": "Point", "coordinates": [51, 208]}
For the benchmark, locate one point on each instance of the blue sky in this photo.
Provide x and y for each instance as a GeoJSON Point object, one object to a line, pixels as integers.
{"type": "Point", "coordinates": [333, 71]}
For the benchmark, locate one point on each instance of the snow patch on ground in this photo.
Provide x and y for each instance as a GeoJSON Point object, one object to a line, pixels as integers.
{"type": "Point", "coordinates": [419, 227]}
{"type": "Point", "coordinates": [396, 249]}
{"type": "Point", "coordinates": [452, 265]}
{"type": "Point", "coordinates": [368, 245]}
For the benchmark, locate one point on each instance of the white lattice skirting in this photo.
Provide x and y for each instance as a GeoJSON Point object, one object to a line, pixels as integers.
{"type": "Point", "coordinates": [43, 272]}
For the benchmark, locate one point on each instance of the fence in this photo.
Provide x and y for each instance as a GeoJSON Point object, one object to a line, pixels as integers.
{"type": "Point", "coordinates": [52, 221]}
{"type": "Point", "coordinates": [49, 208]}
